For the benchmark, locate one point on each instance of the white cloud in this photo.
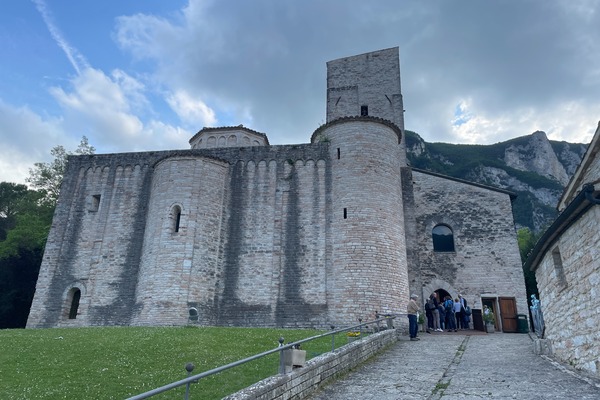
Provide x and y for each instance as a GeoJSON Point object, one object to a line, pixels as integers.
{"type": "Point", "coordinates": [76, 59]}
{"type": "Point", "coordinates": [100, 107]}
{"type": "Point", "coordinates": [191, 110]}
{"type": "Point", "coordinates": [26, 138]}
{"type": "Point", "coordinates": [165, 137]}
{"type": "Point", "coordinates": [568, 121]}
{"type": "Point", "coordinates": [501, 75]}
{"type": "Point", "coordinates": [97, 104]}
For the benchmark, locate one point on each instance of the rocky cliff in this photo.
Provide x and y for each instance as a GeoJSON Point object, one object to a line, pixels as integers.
{"type": "Point", "coordinates": [535, 168]}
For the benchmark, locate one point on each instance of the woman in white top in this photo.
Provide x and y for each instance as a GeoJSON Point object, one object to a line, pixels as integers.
{"type": "Point", "coordinates": [457, 312]}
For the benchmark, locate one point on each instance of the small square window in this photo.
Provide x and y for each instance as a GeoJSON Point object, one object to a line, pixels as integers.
{"type": "Point", "coordinates": [364, 110]}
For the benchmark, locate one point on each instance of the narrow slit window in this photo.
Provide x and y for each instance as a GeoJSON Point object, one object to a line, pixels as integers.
{"type": "Point", "coordinates": [345, 213]}
{"type": "Point", "coordinates": [175, 219]}
{"type": "Point", "coordinates": [364, 110]}
{"type": "Point", "coordinates": [338, 153]}
{"type": "Point", "coordinates": [74, 304]}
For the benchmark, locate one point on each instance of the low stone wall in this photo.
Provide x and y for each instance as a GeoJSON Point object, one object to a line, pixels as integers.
{"type": "Point", "coordinates": [301, 382]}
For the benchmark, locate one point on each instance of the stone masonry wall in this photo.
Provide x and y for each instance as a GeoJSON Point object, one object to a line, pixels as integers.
{"type": "Point", "coordinates": [368, 247]}
{"type": "Point", "coordinates": [486, 259]}
{"type": "Point", "coordinates": [275, 260]}
{"type": "Point", "coordinates": [255, 239]}
{"type": "Point", "coordinates": [569, 299]}
{"type": "Point", "coordinates": [178, 264]}
{"type": "Point", "coordinates": [94, 244]}
{"type": "Point", "coordinates": [370, 79]}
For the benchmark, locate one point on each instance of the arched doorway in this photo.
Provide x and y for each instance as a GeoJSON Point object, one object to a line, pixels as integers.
{"type": "Point", "coordinates": [442, 294]}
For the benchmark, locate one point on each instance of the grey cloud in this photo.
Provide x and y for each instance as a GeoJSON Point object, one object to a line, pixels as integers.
{"type": "Point", "coordinates": [269, 56]}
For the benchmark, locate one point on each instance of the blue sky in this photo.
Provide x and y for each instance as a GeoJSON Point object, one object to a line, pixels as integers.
{"type": "Point", "coordinates": [146, 75]}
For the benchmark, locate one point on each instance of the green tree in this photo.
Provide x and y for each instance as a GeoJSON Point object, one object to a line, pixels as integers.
{"type": "Point", "coordinates": [18, 276]}
{"type": "Point", "coordinates": [527, 240]}
{"type": "Point", "coordinates": [48, 176]}
{"type": "Point", "coordinates": [25, 219]}
{"type": "Point", "coordinates": [11, 197]}
{"type": "Point", "coordinates": [30, 228]}
{"type": "Point", "coordinates": [25, 222]}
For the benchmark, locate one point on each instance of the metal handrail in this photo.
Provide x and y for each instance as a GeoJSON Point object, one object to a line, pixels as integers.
{"type": "Point", "coordinates": [280, 349]}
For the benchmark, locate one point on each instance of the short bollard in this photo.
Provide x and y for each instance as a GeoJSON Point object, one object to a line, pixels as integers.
{"type": "Point", "coordinates": [189, 367]}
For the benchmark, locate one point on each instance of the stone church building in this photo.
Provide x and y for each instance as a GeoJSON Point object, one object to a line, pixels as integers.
{"type": "Point", "coordinates": [235, 231]}
{"type": "Point", "coordinates": [566, 261]}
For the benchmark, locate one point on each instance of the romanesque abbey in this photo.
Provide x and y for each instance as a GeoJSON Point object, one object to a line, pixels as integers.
{"type": "Point", "coordinates": [234, 231]}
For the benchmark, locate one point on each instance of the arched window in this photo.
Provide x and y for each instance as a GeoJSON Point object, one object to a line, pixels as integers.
{"type": "Point", "coordinates": [443, 238]}
{"type": "Point", "coordinates": [75, 297]}
{"type": "Point", "coordinates": [176, 216]}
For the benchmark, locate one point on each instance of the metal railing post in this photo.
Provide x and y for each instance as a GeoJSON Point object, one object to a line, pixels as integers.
{"type": "Point", "coordinates": [360, 328]}
{"type": "Point", "coordinates": [332, 339]}
{"type": "Point", "coordinates": [189, 367]}
{"type": "Point", "coordinates": [281, 364]}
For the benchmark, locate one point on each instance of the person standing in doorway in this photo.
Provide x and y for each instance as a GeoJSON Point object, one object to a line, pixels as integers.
{"type": "Point", "coordinates": [412, 310]}
{"type": "Point", "coordinates": [442, 312]}
{"type": "Point", "coordinates": [429, 314]}
{"type": "Point", "coordinates": [435, 312]}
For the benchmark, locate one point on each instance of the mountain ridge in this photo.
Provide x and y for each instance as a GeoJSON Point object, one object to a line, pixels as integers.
{"type": "Point", "coordinates": [532, 166]}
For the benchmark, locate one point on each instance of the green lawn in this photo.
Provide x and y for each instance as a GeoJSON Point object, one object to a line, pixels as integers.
{"type": "Point", "coordinates": [119, 362]}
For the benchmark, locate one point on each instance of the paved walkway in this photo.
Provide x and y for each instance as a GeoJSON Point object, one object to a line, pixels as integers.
{"type": "Point", "coordinates": [458, 366]}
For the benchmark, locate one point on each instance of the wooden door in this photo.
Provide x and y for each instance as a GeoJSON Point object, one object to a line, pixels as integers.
{"type": "Point", "coordinates": [508, 314]}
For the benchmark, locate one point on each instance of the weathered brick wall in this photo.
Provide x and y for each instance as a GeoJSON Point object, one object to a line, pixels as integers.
{"type": "Point", "coordinates": [369, 268]}
{"type": "Point", "coordinates": [486, 260]}
{"type": "Point", "coordinates": [570, 307]}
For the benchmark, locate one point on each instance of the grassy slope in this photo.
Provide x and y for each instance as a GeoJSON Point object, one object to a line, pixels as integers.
{"type": "Point", "coordinates": [118, 362]}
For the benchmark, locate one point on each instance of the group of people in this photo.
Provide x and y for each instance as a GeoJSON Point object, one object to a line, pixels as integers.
{"type": "Point", "coordinates": [450, 315]}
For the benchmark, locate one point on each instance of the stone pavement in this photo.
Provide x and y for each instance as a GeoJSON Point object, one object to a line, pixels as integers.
{"type": "Point", "coordinates": [462, 365]}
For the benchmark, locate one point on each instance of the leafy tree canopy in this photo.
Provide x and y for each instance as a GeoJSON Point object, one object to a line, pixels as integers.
{"type": "Point", "coordinates": [48, 176]}
{"type": "Point", "coordinates": [12, 196]}
{"type": "Point", "coordinates": [24, 219]}
{"type": "Point", "coordinates": [24, 225]}
{"type": "Point", "coordinates": [527, 240]}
